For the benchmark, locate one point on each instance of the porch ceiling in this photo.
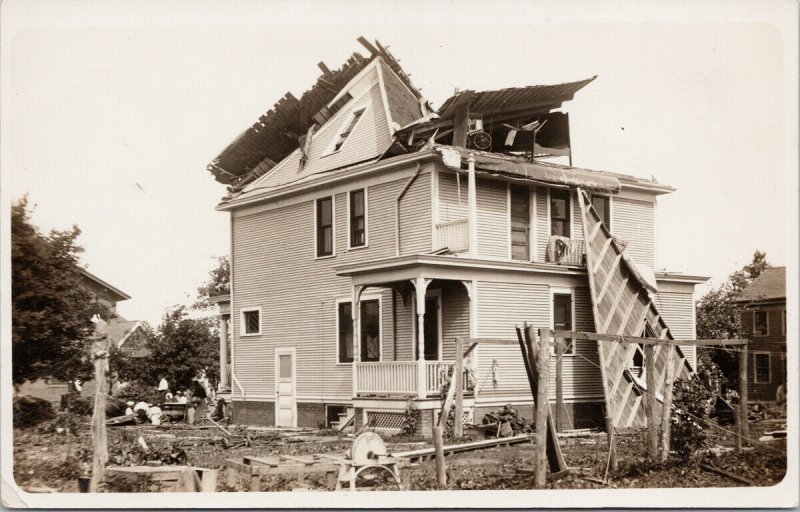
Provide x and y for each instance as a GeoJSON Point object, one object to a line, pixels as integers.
{"type": "Point", "coordinates": [430, 266]}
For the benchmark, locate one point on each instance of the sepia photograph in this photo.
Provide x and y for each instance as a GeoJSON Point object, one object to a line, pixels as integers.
{"type": "Point", "coordinates": [410, 255]}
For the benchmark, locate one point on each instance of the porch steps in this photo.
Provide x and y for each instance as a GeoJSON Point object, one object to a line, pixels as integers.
{"type": "Point", "coordinates": [345, 420]}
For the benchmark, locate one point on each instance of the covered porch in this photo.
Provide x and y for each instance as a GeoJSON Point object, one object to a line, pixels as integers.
{"type": "Point", "coordinates": [428, 310]}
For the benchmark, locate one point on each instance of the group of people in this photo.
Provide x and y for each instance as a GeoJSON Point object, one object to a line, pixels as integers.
{"type": "Point", "coordinates": [196, 400]}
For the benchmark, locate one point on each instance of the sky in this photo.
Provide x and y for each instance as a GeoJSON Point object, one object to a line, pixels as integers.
{"type": "Point", "coordinates": [111, 111]}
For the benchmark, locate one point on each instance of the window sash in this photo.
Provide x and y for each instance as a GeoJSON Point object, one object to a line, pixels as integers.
{"type": "Point", "coordinates": [325, 226]}
{"type": "Point", "coordinates": [348, 130]}
{"type": "Point", "coordinates": [358, 224]}
{"type": "Point", "coordinates": [562, 318]}
{"type": "Point", "coordinates": [560, 210]}
{"type": "Point", "coordinates": [370, 342]}
{"type": "Point", "coordinates": [762, 373]}
{"type": "Point", "coordinates": [602, 205]}
{"type": "Point", "coordinates": [251, 322]}
{"type": "Point", "coordinates": [760, 323]}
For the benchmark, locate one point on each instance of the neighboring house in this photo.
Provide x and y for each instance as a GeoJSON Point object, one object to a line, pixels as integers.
{"type": "Point", "coordinates": [363, 247]}
{"type": "Point", "coordinates": [123, 333]}
{"type": "Point", "coordinates": [762, 311]}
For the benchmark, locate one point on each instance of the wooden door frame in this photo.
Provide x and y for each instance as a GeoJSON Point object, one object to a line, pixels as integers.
{"type": "Point", "coordinates": [279, 351]}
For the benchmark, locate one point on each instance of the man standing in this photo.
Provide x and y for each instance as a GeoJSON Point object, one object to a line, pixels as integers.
{"type": "Point", "coordinates": [163, 388]}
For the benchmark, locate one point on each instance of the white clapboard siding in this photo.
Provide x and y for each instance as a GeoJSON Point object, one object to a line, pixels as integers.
{"type": "Point", "coordinates": [504, 305]}
{"type": "Point", "coordinates": [634, 222]}
{"type": "Point", "coordinates": [678, 311]}
{"type": "Point", "coordinates": [455, 317]}
{"type": "Point", "coordinates": [275, 269]}
{"type": "Point", "coordinates": [451, 206]}
{"type": "Point", "coordinates": [415, 216]}
{"type": "Point", "coordinates": [493, 219]}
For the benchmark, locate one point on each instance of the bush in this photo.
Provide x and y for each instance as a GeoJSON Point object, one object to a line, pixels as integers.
{"type": "Point", "coordinates": [688, 430]}
{"type": "Point", "coordinates": [409, 426]}
{"type": "Point", "coordinates": [29, 411]}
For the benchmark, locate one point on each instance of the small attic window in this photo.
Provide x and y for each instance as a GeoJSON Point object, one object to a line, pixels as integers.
{"type": "Point", "coordinates": [348, 129]}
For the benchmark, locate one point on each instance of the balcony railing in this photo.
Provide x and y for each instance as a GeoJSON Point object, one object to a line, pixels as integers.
{"type": "Point", "coordinates": [400, 377]}
{"type": "Point", "coordinates": [454, 235]}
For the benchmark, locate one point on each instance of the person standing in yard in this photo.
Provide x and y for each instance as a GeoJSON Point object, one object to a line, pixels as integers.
{"type": "Point", "coordinates": [200, 398]}
{"type": "Point", "coordinates": [163, 388]}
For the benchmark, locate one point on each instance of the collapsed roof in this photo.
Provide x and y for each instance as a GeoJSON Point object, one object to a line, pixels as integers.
{"type": "Point", "coordinates": [508, 130]}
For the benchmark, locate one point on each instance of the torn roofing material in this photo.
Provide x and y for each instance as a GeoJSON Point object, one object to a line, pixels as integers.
{"type": "Point", "coordinates": [511, 99]}
{"type": "Point", "coordinates": [278, 132]}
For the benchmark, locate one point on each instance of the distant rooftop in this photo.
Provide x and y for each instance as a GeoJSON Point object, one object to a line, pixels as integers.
{"type": "Point", "coordinates": [770, 285]}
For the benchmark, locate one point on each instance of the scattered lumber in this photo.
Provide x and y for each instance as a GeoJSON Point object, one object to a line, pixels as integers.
{"type": "Point", "coordinates": [722, 472]}
{"type": "Point", "coordinates": [427, 453]}
{"type": "Point", "coordinates": [169, 478]}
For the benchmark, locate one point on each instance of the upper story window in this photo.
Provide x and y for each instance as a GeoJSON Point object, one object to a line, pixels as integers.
{"type": "Point", "coordinates": [602, 205]}
{"type": "Point", "coordinates": [370, 349]}
{"type": "Point", "coordinates": [358, 218]}
{"type": "Point", "coordinates": [762, 371]}
{"type": "Point", "coordinates": [324, 224]}
{"type": "Point", "coordinates": [520, 222]}
{"type": "Point", "coordinates": [560, 212]}
{"type": "Point", "coordinates": [251, 321]}
{"type": "Point", "coordinates": [348, 129]}
{"type": "Point", "coordinates": [760, 323]}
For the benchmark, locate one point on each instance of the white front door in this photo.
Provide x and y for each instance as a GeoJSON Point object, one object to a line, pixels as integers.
{"type": "Point", "coordinates": [285, 407]}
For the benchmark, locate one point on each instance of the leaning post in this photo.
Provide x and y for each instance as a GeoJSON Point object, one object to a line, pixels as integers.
{"type": "Point", "coordinates": [458, 382]}
{"type": "Point", "coordinates": [666, 408]}
{"type": "Point", "coordinates": [441, 468]}
{"type": "Point", "coordinates": [100, 348]}
{"type": "Point", "coordinates": [542, 371]}
{"type": "Point", "coordinates": [559, 383]}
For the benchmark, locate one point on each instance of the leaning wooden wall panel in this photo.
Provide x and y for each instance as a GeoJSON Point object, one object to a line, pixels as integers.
{"type": "Point", "coordinates": [622, 304]}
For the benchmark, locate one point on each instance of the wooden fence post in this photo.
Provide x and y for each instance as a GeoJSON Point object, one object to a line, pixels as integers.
{"type": "Point", "coordinates": [441, 469]}
{"type": "Point", "coordinates": [559, 384]}
{"type": "Point", "coordinates": [737, 427]}
{"type": "Point", "coordinates": [99, 441]}
{"type": "Point", "coordinates": [743, 399]}
{"type": "Point", "coordinates": [666, 408]}
{"type": "Point", "coordinates": [458, 382]}
{"type": "Point", "coordinates": [543, 371]}
{"type": "Point", "coordinates": [650, 401]}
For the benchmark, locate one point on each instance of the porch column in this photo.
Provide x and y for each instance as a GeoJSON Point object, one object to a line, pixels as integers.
{"type": "Point", "coordinates": [420, 285]}
{"type": "Point", "coordinates": [355, 313]}
{"type": "Point", "coordinates": [223, 350]}
{"type": "Point", "coordinates": [472, 207]}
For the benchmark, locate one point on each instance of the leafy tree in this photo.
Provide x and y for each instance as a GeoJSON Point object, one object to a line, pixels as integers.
{"type": "Point", "coordinates": [718, 316]}
{"type": "Point", "coordinates": [51, 312]}
{"type": "Point", "coordinates": [219, 280]}
{"type": "Point", "coordinates": [179, 349]}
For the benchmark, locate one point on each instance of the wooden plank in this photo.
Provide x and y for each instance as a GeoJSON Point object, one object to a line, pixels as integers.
{"type": "Point", "coordinates": [602, 254]}
{"type": "Point", "coordinates": [609, 278]}
{"type": "Point", "coordinates": [650, 400]}
{"type": "Point", "coordinates": [722, 472]}
{"type": "Point", "coordinates": [623, 325]}
{"type": "Point", "coordinates": [459, 385]}
{"type": "Point", "coordinates": [624, 399]}
{"type": "Point", "coordinates": [463, 447]}
{"type": "Point", "coordinates": [614, 306]}
{"type": "Point", "coordinates": [593, 233]}
{"type": "Point", "coordinates": [559, 383]}
{"type": "Point", "coordinates": [542, 372]}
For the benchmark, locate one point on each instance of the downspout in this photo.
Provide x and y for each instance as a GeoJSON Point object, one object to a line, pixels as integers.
{"type": "Point", "coordinates": [397, 208]}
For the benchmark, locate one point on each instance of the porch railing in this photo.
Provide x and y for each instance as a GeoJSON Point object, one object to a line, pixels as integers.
{"type": "Point", "coordinates": [394, 377]}
{"type": "Point", "coordinates": [454, 235]}
{"type": "Point", "coordinates": [400, 377]}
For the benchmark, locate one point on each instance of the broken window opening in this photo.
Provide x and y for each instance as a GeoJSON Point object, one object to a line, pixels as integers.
{"type": "Point", "coordinates": [351, 124]}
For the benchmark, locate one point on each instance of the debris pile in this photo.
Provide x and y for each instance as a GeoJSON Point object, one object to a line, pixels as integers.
{"type": "Point", "coordinates": [505, 422]}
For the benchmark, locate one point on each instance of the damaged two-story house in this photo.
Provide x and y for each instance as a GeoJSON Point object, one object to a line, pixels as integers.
{"type": "Point", "coordinates": [368, 231]}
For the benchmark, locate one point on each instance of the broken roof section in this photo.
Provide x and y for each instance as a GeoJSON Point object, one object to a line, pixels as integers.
{"type": "Point", "coordinates": [283, 129]}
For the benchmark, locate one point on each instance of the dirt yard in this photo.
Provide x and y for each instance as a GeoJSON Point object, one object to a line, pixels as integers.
{"type": "Point", "coordinates": [46, 458]}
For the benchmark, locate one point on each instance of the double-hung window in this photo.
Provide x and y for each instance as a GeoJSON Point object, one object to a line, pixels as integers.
{"type": "Point", "coordinates": [762, 373]}
{"type": "Point", "coordinates": [324, 227]}
{"type": "Point", "coordinates": [559, 212]}
{"type": "Point", "coordinates": [370, 343]}
{"type": "Point", "coordinates": [358, 218]}
{"type": "Point", "coordinates": [562, 318]}
{"type": "Point", "coordinates": [349, 127]}
{"type": "Point", "coordinates": [760, 323]}
{"type": "Point", "coordinates": [251, 321]}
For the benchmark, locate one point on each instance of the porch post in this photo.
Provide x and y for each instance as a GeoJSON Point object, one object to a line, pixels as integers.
{"type": "Point", "coordinates": [355, 313]}
{"type": "Point", "coordinates": [472, 207]}
{"type": "Point", "coordinates": [223, 350]}
{"type": "Point", "coordinates": [420, 285]}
